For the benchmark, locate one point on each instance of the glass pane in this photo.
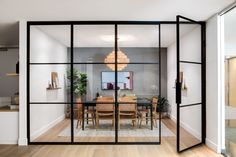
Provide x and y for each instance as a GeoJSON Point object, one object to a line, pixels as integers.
{"type": "Point", "coordinates": [49, 44]}
{"type": "Point", "coordinates": [94, 107]}
{"type": "Point", "coordinates": [190, 126]}
{"type": "Point", "coordinates": [94, 121]}
{"type": "Point", "coordinates": [49, 83]}
{"type": "Point", "coordinates": [191, 83]}
{"type": "Point", "coordinates": [137, 40]}
{"type": "Point", "coordinates": [136, 94]}
{"type": "Point", "coordinates": [141, 85]}
{"type": "Point", "coordinates": [229, 24]}
{"type": "Point", "coordinates": [47, 123]}
{"type": "Point", "coordinates": [230, 104]}
{"type": "Point", "coordinates": [190, 42]}
{"type": "Point", "coordinates": [93, 42]}
{"type": "Point", "coordinates": [97, 83]}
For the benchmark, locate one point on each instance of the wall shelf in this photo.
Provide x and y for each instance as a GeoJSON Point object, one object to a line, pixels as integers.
{"type": "Point", "coordinates": [12, 74]}
{"type": "Point", "coordinates": [54, 88]}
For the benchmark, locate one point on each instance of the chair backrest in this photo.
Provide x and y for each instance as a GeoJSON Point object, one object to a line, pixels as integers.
{"type": "Point", "coordinates": [127, 104]}
{"type": "Point", "coordinates": [154, 103]}
{"type": "Point", "coordinates": [108, 105]}
{"type": "Point", "coordinates": [79, 106]}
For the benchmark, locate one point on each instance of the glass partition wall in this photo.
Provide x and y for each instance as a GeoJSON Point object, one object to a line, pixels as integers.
{"type": "Point", "coordinates": [88, 84]}
{"type": "Point", "coordinates": [106, 83]}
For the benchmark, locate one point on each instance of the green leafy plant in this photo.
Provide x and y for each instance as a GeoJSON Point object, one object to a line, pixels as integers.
{"type": "Point", "coordinates": [162, 103]}
{"type": "Point", "coordinates": [82, 84]}
{"type": "Point", "coordinates": [79, 82]}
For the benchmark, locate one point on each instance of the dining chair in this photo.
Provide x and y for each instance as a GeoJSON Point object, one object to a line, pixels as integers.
{"type": "Point", "coordinates": [89, 113]}
{"type": "Point", "coordinates": [127, 110]}
{"type": "Point", "coordinates": [145, 114]}
{"type": "Point", "coordinates": [105, 110]}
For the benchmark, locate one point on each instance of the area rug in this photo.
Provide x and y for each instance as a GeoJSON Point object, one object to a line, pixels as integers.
{"type": "Point", "coordinates": [126, 130]}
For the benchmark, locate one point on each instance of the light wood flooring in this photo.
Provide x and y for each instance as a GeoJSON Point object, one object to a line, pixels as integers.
{"type": "Point", "coordinates": [51, 135]}
{"type": "Point", "coordinates": [166, 149]}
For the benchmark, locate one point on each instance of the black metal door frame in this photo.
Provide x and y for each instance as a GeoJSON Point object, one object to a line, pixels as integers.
{"type": "Point", "coordinates": [203, 81]}
{"type": "Point", "coordinates": [71, 24]}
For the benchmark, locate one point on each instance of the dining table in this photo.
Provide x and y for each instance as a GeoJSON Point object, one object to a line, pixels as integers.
{"type": "Point", "coordinates": [141, 102]}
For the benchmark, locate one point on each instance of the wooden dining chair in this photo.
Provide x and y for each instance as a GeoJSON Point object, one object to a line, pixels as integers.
{"type": "Point", "coordinates": [127, 110]}
{"type": "Point", "coordinates": [105, 110]}
{"type": "Point", "coordinates": [89, 113]}
{"type": "Point", "coordinates": [145, 114]}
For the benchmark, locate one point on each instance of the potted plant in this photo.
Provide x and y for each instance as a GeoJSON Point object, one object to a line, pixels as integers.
{"type": "Point", "coordinates": [79, 83]}
{"type": "Point", "coordinates": [162, 104]}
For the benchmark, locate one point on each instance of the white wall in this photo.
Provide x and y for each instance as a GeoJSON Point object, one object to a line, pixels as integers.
{"type": "Point", "coordinates": [9, 127]}
{"type": "Point", "coordinates": [213, 114]}
{"type": "Point", "coordinates": [22, 84]}
{"type": "Point", "coordinates": [190, 50]}
{"type": "Point", "coordinates": [43, 48]}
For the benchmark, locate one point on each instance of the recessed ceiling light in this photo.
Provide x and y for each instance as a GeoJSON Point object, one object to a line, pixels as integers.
{"type": "Point", "coordinates": [110, 38]}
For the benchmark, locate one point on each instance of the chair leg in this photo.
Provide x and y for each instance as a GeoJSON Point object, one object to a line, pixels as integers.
{"type": "Point", "coordinates": [97, 121]}
{"type": "Point", "coordinates": [92, 118]}
{"type": "Point", "coordinates": [156, 122]}
{"type": "Point", "coordinates": [112, 123]}
{"type": "Point", "coordinates": [77, 125]}
{"type": "Point", "coordinates": [118, 122]}
{"type": "Point", "coordinates": [135, 123]}
{"type": "Point", "coordinates": [140, 122]}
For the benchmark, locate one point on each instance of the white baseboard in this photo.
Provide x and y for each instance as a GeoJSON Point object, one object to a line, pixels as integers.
{"type": "Point", "coordinates": [8, 141]}
{"type": "Point", "coordinates": [193, 132]}
{"type": "Point", "coordinates": [45, 128]}
{"type": "Point", "coordinates": [212, 145]}
{"type": "Point", "coordinates": [22, 141]}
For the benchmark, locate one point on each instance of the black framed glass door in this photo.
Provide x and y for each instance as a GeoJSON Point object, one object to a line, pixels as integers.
{"type": "Point", "coordinates": [190, 84]}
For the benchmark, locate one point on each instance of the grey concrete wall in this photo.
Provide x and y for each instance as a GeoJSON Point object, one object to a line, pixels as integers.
{"type": "Point", "coordinates": [8, 85]}
{"type": "Point", "coordinates": [144, 76]}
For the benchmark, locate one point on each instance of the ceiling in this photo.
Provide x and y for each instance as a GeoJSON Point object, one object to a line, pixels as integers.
{"type": "Point", "coordinates": [11, 11]}
{"type": "Point", "coordinates": [230, 33]}
{"type": "Point", "coordinates": [128, 35]}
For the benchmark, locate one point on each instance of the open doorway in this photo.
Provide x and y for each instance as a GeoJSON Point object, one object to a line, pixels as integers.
{"type": "Point", "coordinates": [228, 68]}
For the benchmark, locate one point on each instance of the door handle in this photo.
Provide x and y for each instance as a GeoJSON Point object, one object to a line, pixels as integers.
{"type": "Point", "coordinates": [178, 92]}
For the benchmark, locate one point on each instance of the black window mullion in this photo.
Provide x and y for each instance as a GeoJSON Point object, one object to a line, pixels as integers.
{"type": "Point", "coordinates": [159, 65]}
{"type": "Point", "coordinates": [28, 83]}
{"type": "Point", "coordinates": [116, 80]}
{"type": "Point", "coordinates": [72, 82]}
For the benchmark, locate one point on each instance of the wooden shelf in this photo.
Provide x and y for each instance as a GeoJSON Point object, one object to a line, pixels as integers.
{"type": "Point", "coordinates": [7, 109]}
{"type": "Point", "coordinates": [54, 88]}
{"type": "Point", "coordinates": [12, 74]}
